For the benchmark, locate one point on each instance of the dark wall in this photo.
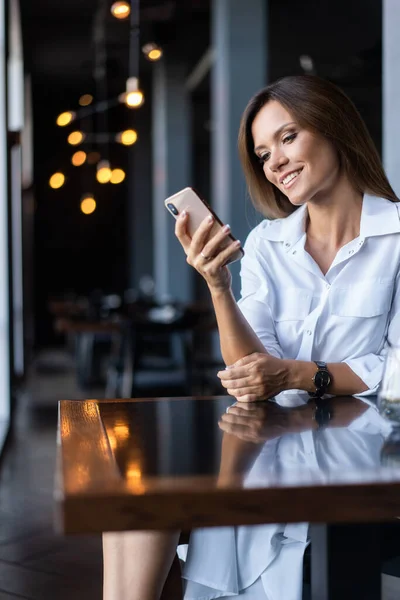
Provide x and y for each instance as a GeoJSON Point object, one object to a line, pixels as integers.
{"type": "Point", "coordinates": [344, 40]}
{"type": "Point", "coordinates": [74, 251]}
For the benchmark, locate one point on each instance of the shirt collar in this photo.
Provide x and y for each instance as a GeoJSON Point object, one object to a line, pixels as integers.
{"type": "Point", "coordinates": [378, 217]}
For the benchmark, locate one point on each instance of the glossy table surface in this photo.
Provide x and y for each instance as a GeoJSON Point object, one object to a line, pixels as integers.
{"type": "Point", "coordinates": [165, 463]}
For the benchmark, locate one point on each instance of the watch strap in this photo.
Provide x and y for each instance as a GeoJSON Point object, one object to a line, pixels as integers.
{"type": "Point", "coordinates": [320, 388]}
{"type": "Point", "coordinates": [322, 412]}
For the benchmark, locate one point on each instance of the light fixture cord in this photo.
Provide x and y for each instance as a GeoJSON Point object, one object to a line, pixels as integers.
{"type": "Point", "coordinates": [134, 36]}
{"type": "Point", "coordinates": [100, 71]}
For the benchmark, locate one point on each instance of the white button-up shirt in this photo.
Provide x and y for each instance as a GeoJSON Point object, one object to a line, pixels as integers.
{"type": "Point", "coordinates": [347, 315]}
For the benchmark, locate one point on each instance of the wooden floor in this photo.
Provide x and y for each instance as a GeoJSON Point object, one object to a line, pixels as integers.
{"type": "Point", "coordinates": [35, 563]}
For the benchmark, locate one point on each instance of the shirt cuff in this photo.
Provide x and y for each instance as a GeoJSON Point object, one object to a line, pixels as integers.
{"type": "Point", "coordinates": [369, 369]}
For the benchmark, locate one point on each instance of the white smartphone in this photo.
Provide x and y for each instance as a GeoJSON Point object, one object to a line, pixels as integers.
{"type": "Point", "coordinates": [197, 209]}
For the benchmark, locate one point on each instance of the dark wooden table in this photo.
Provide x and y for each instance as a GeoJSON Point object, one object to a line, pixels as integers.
{"type": "Point", "coordinates": [156, 464]}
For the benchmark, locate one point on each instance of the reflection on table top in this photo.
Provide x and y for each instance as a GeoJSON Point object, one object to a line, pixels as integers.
{"type": "Point", "coordinates": [165, 463]}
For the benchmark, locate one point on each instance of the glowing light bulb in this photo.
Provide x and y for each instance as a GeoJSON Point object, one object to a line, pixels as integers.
{"type": "Point", "coordinates": [104, 172]}
{"type": "Point", "coordinates": [75, 138]}
{"type": "Point", "coordinates": [121, 10]}
{"type": "Point", "coordinates": [152, 51]}
{"type": "Point", "coordinates": [79, 158]}
{"type": "Point", "coordinates": [117, 176]}
{"type": "Point", "coordinates": [127, 137]}
{"type": "Point", "coordinates": [86, 99]}
{"type": "Point", "coordinates": [88, 204]}
{"type": "Point", "coordinates": [57, 180]}
{"type": "Point", "coordinates": [133, 97]}
{"type": "Point", "coordinates": [65, 118]}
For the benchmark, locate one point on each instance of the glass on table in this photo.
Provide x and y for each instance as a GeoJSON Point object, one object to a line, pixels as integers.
{"type": "Point", "coordinates": [389, 394]}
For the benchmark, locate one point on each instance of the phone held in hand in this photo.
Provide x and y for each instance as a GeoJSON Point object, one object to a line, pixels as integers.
{"type": "Point", "coordinates": [197, 209]}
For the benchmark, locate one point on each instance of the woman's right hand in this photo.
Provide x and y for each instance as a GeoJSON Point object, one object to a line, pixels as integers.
{"type": "Point", "coordinates": [205, 254]}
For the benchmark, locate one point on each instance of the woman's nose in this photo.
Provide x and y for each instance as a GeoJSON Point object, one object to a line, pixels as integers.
{"type": "Point", "coordinates": [276, 161]}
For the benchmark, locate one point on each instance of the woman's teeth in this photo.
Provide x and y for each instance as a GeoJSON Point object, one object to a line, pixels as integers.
{"type": "Point", "coordinates": [290, 177]}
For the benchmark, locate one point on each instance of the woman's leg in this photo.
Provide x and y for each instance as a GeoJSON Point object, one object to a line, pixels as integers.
{"type": "Point", "coordinates": [137, 563]}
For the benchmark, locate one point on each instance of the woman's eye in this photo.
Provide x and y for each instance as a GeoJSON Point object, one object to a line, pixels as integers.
{"type": "Point", "coordinates": [263, 158]}
{"type": "Point", "coordinates": [289, 138]}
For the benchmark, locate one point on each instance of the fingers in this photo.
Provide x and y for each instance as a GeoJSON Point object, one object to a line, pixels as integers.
{"type": "Point", "coordinates": [181, 231]}
{"type": "Point", "coordinates": [245, 398]}
{"type": "Point", "coordinates": [233, 374]}
{"type": "Point", "coordinates": [201, 235]}
{"type": "Point", "coordinates": [222, 257]}
{"type": "Point", "coordinates": [244, 410]}
{"type": "Point", "coordinates": [214, 243]}
{"type": "Point", "coordinates": [235, 384]}
{"type": "Point", "coordinates": [241, 431]}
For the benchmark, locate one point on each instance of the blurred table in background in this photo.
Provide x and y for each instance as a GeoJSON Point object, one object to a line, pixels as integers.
{"type": "Point", "coordinates": [150, 349]}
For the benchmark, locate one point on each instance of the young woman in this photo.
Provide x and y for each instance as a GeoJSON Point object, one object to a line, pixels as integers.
{"type": "Point", "coordinates": [320, 284]}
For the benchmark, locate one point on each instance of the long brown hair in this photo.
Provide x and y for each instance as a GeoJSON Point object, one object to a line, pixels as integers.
{"type": "Point", "coordinates": [321, 107]}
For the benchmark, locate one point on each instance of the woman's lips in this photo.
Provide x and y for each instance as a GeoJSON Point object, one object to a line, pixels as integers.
{"type": "Point", "coordinates": [292, 180]}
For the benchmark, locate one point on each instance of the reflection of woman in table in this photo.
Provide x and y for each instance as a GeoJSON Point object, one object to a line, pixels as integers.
{"type": "Point", "coordinates": [320, 282]}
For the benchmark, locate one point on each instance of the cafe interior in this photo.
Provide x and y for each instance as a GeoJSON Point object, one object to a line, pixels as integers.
{"type": "Point", "coordinates": [109, 345]}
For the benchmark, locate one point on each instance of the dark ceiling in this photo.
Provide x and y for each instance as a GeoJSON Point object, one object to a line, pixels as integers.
{"type": "Point", "coordinates": [59, 40]}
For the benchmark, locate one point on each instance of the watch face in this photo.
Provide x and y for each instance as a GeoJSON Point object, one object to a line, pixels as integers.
{"type": "Point", "coordinates": [322, 379]}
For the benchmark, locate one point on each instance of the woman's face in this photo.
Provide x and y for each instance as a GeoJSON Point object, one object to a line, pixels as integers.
{"type": "Point", "coordinates": [301, 164]}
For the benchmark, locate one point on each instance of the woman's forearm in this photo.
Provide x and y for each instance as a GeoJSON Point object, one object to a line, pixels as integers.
{"type": "Point", "coordinates": [237, 338]}
{"type": "Point", "coordinates": [344, 382]}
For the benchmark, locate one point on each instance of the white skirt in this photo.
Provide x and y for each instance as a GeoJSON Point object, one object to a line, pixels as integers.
{"type": "Point", "coordinates": [244, 561]}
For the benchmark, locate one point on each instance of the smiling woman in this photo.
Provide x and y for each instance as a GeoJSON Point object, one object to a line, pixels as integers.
{"type": "Point", "coordinates": [321, 283]}
{"type": "Point", "coordinates": [317, 108]}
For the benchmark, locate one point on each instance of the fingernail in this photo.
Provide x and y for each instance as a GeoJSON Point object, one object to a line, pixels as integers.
{"type": "Point", "coordinates": [238, 243]}
{"type": "Point", "coordinates": [183, 214]}
{"type": "Point", "coordinates": [226, 228]}
{"type": "Point", "coordinates": [210, 219]}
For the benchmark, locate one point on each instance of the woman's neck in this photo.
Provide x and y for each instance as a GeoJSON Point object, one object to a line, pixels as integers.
{"type": "Point", "coordinates": [334, 220]}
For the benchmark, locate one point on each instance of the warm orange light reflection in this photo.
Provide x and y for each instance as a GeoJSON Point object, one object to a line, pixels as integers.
{"type": "Point", "coordinates": [75, 138]}
{"type": "Point", "coordinates": [90, 408]}
{"type": "Point", "coordinates": [112, 439]}
{"type": "Point", "coordinates": [104, 172]}
{"type": "Point", "coordinates": [57, 180]}
{"type": "Point", "coordinates": [79, 158]}
{"type": "Point", "coordinates": [117, 176]}
{"type": "Point", "coordinates": [134, 477]}
{"type": "Point", "coordinates": [86, 99]}
{"type": "Point", "coordinates": [134, 99]}
{"type": "Point", "coordinates": [65, 118]}
{"type": "Point", "coordinates": [155, 54]}
{"type": "Point", "coordinates": [152, 51]}
{"type": "Point", "coordinates": [121, 9]}
{"type": "Point", "coordinates": [127, 137]}
{"type": "Point", "coordinates": [121, 432]}
{"type": "Point", "coordinates": [88, 205]}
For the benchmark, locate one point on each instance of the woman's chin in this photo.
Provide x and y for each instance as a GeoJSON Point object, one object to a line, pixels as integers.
{"type": "Point", "coordinates": [297, 200]}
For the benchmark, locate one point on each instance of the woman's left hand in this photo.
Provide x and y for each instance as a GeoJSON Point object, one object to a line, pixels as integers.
{"type": "Point", "coordinates": [257, 422]}
{"type": "Point", "coordinates": [257, 376]}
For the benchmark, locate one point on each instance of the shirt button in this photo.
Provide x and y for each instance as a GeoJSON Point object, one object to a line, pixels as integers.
{"type": "Point", "coordinates": [328, 286]}
{"type": "Point", "coordinates": [351, 252]}
{"type": "Point", "coordinates": [308, 331]}
{"type": "Point", "coordinates": [287, 245]}
{"type": "Point", "coordinates": [294, 251]}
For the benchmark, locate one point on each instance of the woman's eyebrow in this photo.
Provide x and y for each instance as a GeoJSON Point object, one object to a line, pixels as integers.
{"type": "Point", "coordinates": [276, 134]}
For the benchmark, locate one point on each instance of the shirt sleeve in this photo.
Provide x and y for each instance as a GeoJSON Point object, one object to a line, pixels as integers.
{"type": "Point", "coordinates": [370, 367]}
{"type": "Point", "coordinates": [254, 299]}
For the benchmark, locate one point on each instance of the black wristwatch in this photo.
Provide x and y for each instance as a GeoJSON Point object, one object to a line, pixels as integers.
{"type": "Point", "coordinates": [323, 412]}
{"type": "Point", "coordinates": [321, 379]}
